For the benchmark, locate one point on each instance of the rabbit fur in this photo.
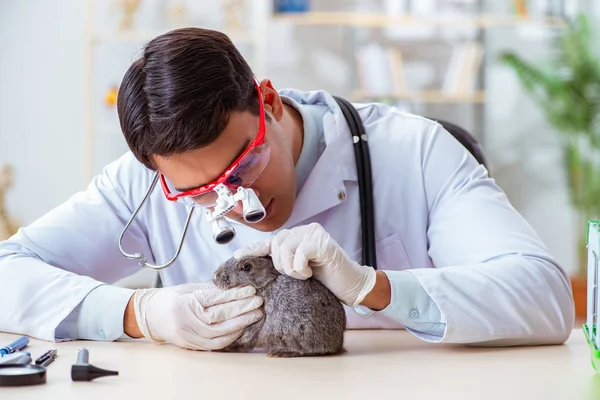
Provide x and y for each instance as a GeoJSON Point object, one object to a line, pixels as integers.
{"type": "Point", "coordinates": [301, 317]}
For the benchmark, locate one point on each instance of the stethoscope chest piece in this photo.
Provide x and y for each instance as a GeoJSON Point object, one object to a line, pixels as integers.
{"type": "Point", "coordinates": [22, 374]}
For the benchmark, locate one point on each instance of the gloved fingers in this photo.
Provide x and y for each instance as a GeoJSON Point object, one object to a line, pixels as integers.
{"type": "Point", "coordinates": [283, 249]}
{"type": "Point", "coordinates": [258, 249]}
{"type": "Point", "coordinates": [285, 263]}
{"type": "Point", "coordinates": [282, 256]}
{"type": "Point", "coordinates": [275, 244]}
{"type": "Point", "coordinates": [226, 311]}
{"type": "Point", "coordinates": [188, 340]}
{"type": "Point", "coordinates": [309, 252]}
{"type": "Point", "coordinates": [222, 341]}
{"type": "Point", "coordinates": [187, 287]}
{"type": "Point", "coordinates": [321, 243]}
{"type": "Point", "coordinates": [193, 341]}
{"type": "Point", "coordinates": [300, 266]}
{"type": "Point", "coordinates": [228, 326]}
{"type": "Point", "coordinates": [212, 295]}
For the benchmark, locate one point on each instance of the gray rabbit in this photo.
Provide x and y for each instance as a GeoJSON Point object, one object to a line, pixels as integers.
{"type": "Point", "coordinates": [302, 317]}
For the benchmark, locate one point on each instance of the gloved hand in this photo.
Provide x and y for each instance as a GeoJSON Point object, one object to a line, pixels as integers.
{"type": "Point", "coordinates": [308, 250]}
{"type": "Point", "coordinates": [196, 316]}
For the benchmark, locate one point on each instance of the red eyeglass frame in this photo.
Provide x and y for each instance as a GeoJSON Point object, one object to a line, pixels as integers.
{"type": "Point", "coordinates": [258, 140]}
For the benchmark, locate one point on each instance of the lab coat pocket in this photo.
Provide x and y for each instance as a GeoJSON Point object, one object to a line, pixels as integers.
{"type": "Point", "coordinates": [391, 253]}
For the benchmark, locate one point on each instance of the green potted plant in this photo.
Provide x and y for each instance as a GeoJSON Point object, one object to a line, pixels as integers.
{"type": "Point", "coordinates": [567, 91]}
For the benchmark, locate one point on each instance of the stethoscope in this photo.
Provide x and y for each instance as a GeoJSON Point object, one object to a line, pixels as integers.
{"type": "Point", "coordinates": [224, 233]}
{"type": "Point", "coordinates": [363, 169]}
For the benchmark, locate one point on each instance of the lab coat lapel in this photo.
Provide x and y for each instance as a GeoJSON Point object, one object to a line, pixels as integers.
{"type": "Point", "coordinates": [325, 187]}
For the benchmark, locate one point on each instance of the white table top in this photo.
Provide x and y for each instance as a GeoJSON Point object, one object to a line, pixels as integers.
{"type": "Point", "coordinates": [377, 365]}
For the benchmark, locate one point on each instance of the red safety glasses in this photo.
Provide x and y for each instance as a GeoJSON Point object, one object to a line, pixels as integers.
{"type": "Point", "coordinates": [242, 172]}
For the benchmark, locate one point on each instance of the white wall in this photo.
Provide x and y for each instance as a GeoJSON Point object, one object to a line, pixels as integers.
{"type": "Point", "coordinates": [41, 96]}
{"type": "Point", "coordinates": [42, 106]}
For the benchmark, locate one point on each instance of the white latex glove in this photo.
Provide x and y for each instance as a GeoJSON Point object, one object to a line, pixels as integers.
{"type": "Point", "coordinates": [308, 250]}
{"type": "Point", "coordinates": [196, 316]}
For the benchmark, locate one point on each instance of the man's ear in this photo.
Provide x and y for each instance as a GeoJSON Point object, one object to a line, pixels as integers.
{"type": "Point", "coordinates": [271, 99]}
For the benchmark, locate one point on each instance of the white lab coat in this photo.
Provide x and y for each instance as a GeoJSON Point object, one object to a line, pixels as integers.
{"type": "Point", "coordinates": [437, 213]}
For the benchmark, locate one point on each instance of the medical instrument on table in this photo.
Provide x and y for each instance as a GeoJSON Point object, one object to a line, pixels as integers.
{"type": "Point", "coordinates": [83, 371]}
{"type": "Point", "coordinates": [593, 297]}
{"type": "Point", "coordinates": [22, 374]}
{"type": "Point", "coordinates": [16, 370]}
{"type": "Point", "coordinates": [15, 346]}
{"type": "Point", "coordinates": [20, 357]}
{"type": "Point", "coordinates": [47, 358]}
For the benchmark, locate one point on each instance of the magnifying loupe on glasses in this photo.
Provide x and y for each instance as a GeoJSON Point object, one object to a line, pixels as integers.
{"type": "Point", "coordinates": [253, 211]}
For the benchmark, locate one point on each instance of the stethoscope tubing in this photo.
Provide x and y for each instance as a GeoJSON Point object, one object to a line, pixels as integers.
{"type": "Point", "coordinates": [140, 257]}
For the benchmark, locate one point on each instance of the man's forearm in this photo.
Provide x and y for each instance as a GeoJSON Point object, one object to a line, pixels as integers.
{"type": "Point", "coordinates": [130, 326]}
{"type": "Point", "coordinates": [381, 294]}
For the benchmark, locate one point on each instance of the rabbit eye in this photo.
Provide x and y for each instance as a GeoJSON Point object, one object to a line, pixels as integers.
{"type": "Point", "coordinates": [246, 267]}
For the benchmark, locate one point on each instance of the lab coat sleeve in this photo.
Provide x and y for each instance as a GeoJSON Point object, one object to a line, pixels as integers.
{"type": "Point", "coordinates": [413, 307]}
{"type": "Point", "coordinates": [494, 281]}
{"type": "Point", "coordinates": [49, 267]}
{"type": "Point", "coordinates": [98, 317]}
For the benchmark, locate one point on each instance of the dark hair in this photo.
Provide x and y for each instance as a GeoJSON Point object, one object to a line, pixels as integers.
{"type": "Point", "coordinates": [178, 95]}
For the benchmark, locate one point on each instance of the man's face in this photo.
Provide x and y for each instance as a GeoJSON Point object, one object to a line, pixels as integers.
{"type": "Point", "coordinates": [275, 186]}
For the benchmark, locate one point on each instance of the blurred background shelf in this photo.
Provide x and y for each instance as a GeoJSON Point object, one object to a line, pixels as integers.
{"type": "Point", "coordinates": [375, 49]}
{"type": "Point", "coordinates": [135, 36]}
{"type": "Point", "coordinates": [382, 20]}
{"type": "Point", "coordinates": [425, 96]}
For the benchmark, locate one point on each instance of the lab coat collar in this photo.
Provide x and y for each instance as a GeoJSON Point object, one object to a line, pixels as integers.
{"type": "Point", "coordinates": [325, 187]}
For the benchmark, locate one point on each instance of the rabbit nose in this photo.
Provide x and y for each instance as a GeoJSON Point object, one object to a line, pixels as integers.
{"type": "Point", "coordinates": [221, 278]}
{"type": "Point", "coordinates": [225, 279]}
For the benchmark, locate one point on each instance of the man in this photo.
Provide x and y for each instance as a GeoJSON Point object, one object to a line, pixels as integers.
{"type": "Point", "coordinates": [456, 263]}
